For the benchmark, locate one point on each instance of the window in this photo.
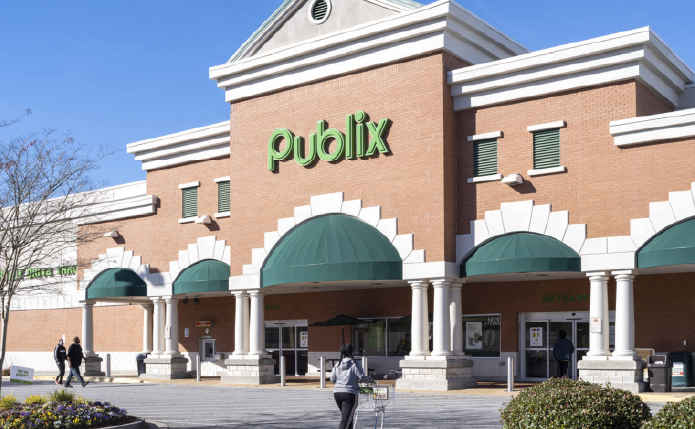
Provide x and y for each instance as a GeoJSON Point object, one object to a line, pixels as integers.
{"type": "Point", "coordinates": [546, 149]}
{"type": "Point", "coordinates": [481, 335]}
{"type": "Point", "coordinates": [382, 337]}
{"type": "Point", "coordinates": [319, 11]}
{"type": "Point", "coordinates": [223, 197]}
{"type": "Point", "coordinates": [484, 157]}
{"type": "Point", "coordinates": [190, 202]}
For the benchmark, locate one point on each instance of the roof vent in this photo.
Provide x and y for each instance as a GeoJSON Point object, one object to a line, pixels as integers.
{"type": "Point", "coordinates": [320, 10]}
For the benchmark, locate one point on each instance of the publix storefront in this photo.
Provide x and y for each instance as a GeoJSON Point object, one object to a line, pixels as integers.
{"type": "Point", "coordinates": [458, 199]}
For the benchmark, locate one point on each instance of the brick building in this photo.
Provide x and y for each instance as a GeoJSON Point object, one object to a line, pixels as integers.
{"type": "Point", "coordinates": [376, 148]}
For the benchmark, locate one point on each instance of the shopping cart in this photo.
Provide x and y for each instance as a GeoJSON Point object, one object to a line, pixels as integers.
{"type": "Point", "coordinates": [374, 398]}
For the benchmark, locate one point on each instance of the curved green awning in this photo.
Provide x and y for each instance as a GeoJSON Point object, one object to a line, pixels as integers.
{"type": "Point", "coordinates": [332, 248]}
{"type": "Point", "coordinates": [673, 246]}
{"type": "Point", "coordinates": [520, 252]}
{"type": "Point", "coordinates": [116, 283]}
{"type": "Point", "coordinates": [208, 275]}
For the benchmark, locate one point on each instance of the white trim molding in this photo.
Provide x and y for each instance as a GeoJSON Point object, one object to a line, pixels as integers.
{"type": "Point", "coordinates": [647, 129]}
{"type": "Point", "coordinates": [223, 214]}
{"type": "Point", "coordinates": [222, 179]}
{"type": "Point", "coordinates": [492, 135]}
{"type": "Point", "coordinates": [549, 170]}
{"type": "Point", "coordinates": [115, 257]}
{"type": "Point", "coordinates": [191, 219]}
{"type": "Point", "coordinates": [490, 178]}
{"type": "Point", "coordinates": [638, 54]}
{"type": "Point", "coordinates": [120, 202]}
{"type": "Point", "coordinates": [195, 184]}
{"type": "Point", "coordinates": [196, 144]}
{"type": "Point", "coordinates": [548, 126]}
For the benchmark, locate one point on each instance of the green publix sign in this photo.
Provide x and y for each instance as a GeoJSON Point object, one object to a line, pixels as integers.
{"type": "Point", "coordinates": [351, 145]}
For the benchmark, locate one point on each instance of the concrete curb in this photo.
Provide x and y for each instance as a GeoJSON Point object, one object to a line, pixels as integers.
{"type": "Point", "coordinates": [140, 423]}
{"type": "Point", "coordinates": [151, 424]}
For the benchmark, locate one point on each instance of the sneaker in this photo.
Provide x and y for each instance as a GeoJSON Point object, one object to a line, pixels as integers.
{"type": "Point", "coordinates": [58, 382]}
{"type": "Point", "coordinates": [67, 386]}
{"type": "Point", "coordinates": [85, 383]}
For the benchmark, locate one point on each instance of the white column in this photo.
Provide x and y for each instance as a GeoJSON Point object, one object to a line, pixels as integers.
{"type": "Point", "coordinates": [241, 324]}
{"type": "Point", "coordinates": [87, 328]}
{"type": "Point", "coordinates": [147, 328]}
{"type": "Point", "coordinates": [456, 319]}
{"type": "Point", "coordinates": [441, 334]}
{"type": "Point", "coordinates": [172, 322]}
{"type": "Point", "coordinates": [624, 316]}
{"type": "Point", "coordinates": [419, 323]}
{"type": "Point", "coordinates": [158, 327]}
{"type": "Point", "coordinates": [598, 308]}
{"type": "Point", "coordinates": [257, 324]}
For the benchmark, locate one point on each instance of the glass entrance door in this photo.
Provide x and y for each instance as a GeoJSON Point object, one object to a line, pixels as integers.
{"type": "Point", "coordinates": [291, 340]}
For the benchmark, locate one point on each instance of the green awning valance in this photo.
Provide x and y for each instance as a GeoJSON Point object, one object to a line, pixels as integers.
{"type": "Point", "coordinates": [520, 252]}
{"type": "Point", "coordinates": [673, 246]}
{"type": "Point", "coordinates": [208, 275]}
{"type": "Point", "coordinates": [332, 248]}
{"type": "Point", "coordinates": [116, 283]}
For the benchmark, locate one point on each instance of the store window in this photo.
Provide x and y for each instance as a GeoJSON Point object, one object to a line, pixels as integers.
{"type": "Point", "coordinates": [481, 335]}
{"type": "Point", "coordinates": [190, 202]}
{"type": "Point", "coordinates": [546, 149]}
{"type": "Point", "coordinates": [485, 158]}
{"type": "Point", "coordinates": [382, 337]}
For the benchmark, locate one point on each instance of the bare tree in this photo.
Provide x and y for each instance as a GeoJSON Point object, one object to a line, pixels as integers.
{"type": "Point", "coordinates": [45, 189]}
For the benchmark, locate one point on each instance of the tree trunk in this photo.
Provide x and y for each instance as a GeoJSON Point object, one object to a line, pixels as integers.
{"type": "Point", "coordinates": [3, 342]}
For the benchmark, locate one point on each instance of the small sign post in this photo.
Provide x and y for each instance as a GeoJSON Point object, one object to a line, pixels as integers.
{"type": "Point", "coordinates": [185, 332]}
{"type": "Point", "coordinates": [19, 374]}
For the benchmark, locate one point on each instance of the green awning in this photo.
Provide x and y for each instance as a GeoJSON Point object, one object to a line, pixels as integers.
{"type": "Point", "coordinates": [520, 252]}
{"type": "Point", "coordinates": [208, 275]}
{"type": "Point", "coordinates": [332, 248]}
{"type": "Point", "coordinates": [673, 246]}
{"type": "Point", "coordinates": [116, 283]}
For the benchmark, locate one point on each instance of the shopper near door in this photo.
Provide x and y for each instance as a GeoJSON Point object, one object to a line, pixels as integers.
{"type": "Point", "coordinates": [346, 376]}
{"type": "Point", "coordinates": [59, 354]}
{"type": "Point", "coordinates": [562, 353]}
{"type": "Point", "coordinates": [75, 358]}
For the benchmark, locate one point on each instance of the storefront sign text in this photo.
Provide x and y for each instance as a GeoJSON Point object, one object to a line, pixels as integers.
{"type": "Point", "coordinates": [273, 307]}
{"type": "Point", "coordinates": [202, 324]}
{"type": "Point", "coordinates": [565, 298]}
{"type": "Point", "coordinates": [350, 145]}
{"type": "Point", "coordinates": [35, 273]}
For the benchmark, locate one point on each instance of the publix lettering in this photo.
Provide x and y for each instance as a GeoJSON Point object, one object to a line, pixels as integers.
{"type": "Point", "coordinates": [351, 145]}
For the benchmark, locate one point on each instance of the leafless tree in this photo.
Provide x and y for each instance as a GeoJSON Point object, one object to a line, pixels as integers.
{"type": "Point", "coordinates": [45, 189]}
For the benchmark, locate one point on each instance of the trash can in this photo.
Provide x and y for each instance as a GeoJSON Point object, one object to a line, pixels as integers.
{"type": "Point", "coordinates": [659, 368]}
{"type": "Point", "coordinates": [682, 375]}
{"type": "Point", "coordinates": [140, 358]}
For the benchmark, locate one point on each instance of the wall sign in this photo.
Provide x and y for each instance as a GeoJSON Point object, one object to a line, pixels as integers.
{"type": "Point", "coordinates": [185, 333]}
{"type": "Point", "coordinates": [35, 273]}
{"type": "Point", "coordinates": [351, 145]}
{"type": "Point", "coordinates": [272, 307]}
{"type": "Point", "coordinates": [202, 323]}
{"type": "Point", "coordinates": [304, 339]}
{"type": "Point", "coordinates": [595, 325]}
{"type": "Point", "coordinates": [536, 336]}
{"type": "Point", "coordinates": [167, 332]}
{"type": "Point", "coordinates": [566, 298]}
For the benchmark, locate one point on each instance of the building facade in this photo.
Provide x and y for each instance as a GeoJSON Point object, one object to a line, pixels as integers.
{"type": "Point", "coordinates": [412, 167]}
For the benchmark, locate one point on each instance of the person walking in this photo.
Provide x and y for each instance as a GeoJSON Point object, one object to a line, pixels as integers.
{"type": "Point", "coordinates": [562, 353]}
{"type": "Point", "coordinates": [75, 357]}
{"type": "Point", "coordinates": [60, 355]}
{"type": "Point", "coordinates": [346, 376]}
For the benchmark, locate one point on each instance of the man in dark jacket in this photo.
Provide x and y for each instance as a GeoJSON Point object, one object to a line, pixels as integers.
{"type": "Point", "coordinates": [75, 357]}
{"type": "Point", "coordinates": [59, 355]}
{"type": "Point", "coordinates": [562, 353]}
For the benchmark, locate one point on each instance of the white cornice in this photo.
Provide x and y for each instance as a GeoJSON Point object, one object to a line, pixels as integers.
{"type": "Point", "coordinates": [120, 202]}
{"type": "Point", "coordinates": [645, 129]}
{"type": "Point", "coordinates": [638, 54]}
{"type": "Point", "coordinates": [443, 25]}
{"type": "Point", "coordinates": [196, 144]}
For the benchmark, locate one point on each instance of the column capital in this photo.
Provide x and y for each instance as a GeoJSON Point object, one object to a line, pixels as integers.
{"type": "Point", "coordinates": [457, 285]}
{"type": "Point", "coordinates": [423, 284]}
{"type": "Point", "coordinates": [441, 283]}
{"type": "Point", "coordinates": [147, 306]}
{"type": "Point", "coordinates": [157, 299]}
{"type": "Point", "coordinates": [171, 300]}
{"type": "Point", "coordinates": [256, 292]}
{"type": "Point", "coordinates": [86, 304]}
{"type": "Point", "coordinates": [618, 273]}
{"type": "Point", "coordinates": [240, 294]}
{"type": "Point", "coordinates": [598, 276]}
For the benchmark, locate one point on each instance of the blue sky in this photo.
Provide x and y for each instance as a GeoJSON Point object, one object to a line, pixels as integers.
{"type": "Point", "coordinates": [114, 72]}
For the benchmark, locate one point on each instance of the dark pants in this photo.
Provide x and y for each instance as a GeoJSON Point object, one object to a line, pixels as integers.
{"type": "Point", "coordinates": [61, 371]}
{"type": "Point", "coordinates": [562, 368]}
{"type": "Point", "coordinates": [74, 372]}
{"type": "Point", "coordinates": [347, 404]}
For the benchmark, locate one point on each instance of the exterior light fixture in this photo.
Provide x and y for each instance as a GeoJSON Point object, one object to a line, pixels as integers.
{"type": "Point", "coordinates": [112, 234]}
{"type": "Point", "coordinates": [513, 179]}
{"type": "Point", "coordinates": [196, 301]}
{"type": "Point", "coordinates": [206, 220]}
{"type": "Point", "coordinates": [185, 301]}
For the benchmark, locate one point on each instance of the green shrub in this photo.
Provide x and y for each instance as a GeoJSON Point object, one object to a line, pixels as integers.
{"type": "Point", "coordinates": [675, 415]}
{"type": "Point", "coordinates": [8, 402]}
{"type": "Point", "coordinates": [36, 399]}
{"type": "Point", "coordinates": [62, 395]}
{"type": "Point", "coordinates": [570, 404]}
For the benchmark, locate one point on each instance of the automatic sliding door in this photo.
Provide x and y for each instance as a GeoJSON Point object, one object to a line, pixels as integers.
{"type": "Point", "coordinates": [536, 346]}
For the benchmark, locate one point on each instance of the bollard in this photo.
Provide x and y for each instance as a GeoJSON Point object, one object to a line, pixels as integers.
{"type": "Point", "coordinates": [510, 374]}
{"type": "Point", "coordinates": [323, 372]}
{"type": "Point", "coordinates": [282, 370]}
{"type": "Point", "coordinates": [365, 365]}
{"type": "Point", "coordinates": [198, 368]}
{"type": "Point", "coordinates": [108, 364]}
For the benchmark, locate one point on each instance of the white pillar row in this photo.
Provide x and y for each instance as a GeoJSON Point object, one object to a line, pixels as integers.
{"type": "Point", "coordinates": [598, 308]}
{"type": "Point", "coordinates": [87, 328]}
{"type": "Point", "coordinates": [172, 322]}
{"type": "Point", "coordinates": [257, 324]}
{"type": "Point", "coordinates": [241, 324]}
{"type": "Point", "coordinates": [419, 323]}
{"type": "Point", "coordinates": [624, 316]}
{"type": "Point", "coordinates": [147, 328]}
{"type": "Point", "coordinates": [158, 326]}
{"type": "Point", "coordinates": [441, 329]}
{"type": "Point", "coordinates": [456, 319]}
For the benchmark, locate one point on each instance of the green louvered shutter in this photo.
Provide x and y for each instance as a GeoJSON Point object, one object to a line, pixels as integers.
{"type": "Point", "coordinates": [484, 157]}
{"type": "Point", "coordinates": [222, 197]}
{"type": "Point", "coordinates": [546, 149]}
{"type": "Point", "coordinates": [190, 202]}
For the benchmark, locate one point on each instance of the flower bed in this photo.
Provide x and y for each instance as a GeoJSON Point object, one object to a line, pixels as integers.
{"type": "Point", "coordinates": [58, 415]}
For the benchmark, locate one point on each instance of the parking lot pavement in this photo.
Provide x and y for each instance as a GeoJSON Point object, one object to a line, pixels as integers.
{"type": "Point", "coordinates": [185, 406]}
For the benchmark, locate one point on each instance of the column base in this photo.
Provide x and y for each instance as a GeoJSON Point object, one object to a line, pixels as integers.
{"type": "Point", "coordinates": [621, 374]}
{"type": "Point", "coordinates": [250, 369]}
{"type": "Point", "coordinates": [166, 367]}
{"type": "Point", "coordinates": [437, 373]}
{"type": "Point", "coordinates": [92, 366]}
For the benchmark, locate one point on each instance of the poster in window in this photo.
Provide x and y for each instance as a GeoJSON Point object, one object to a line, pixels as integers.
{"type": "Point", "coordinates": [536, 335]}
{"type": "Point", "coordinates": [304, 339]}
{"type": "Point", "coordinates": [474, 335]}
{"type": "Point", "coordinates": [376, 335]}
